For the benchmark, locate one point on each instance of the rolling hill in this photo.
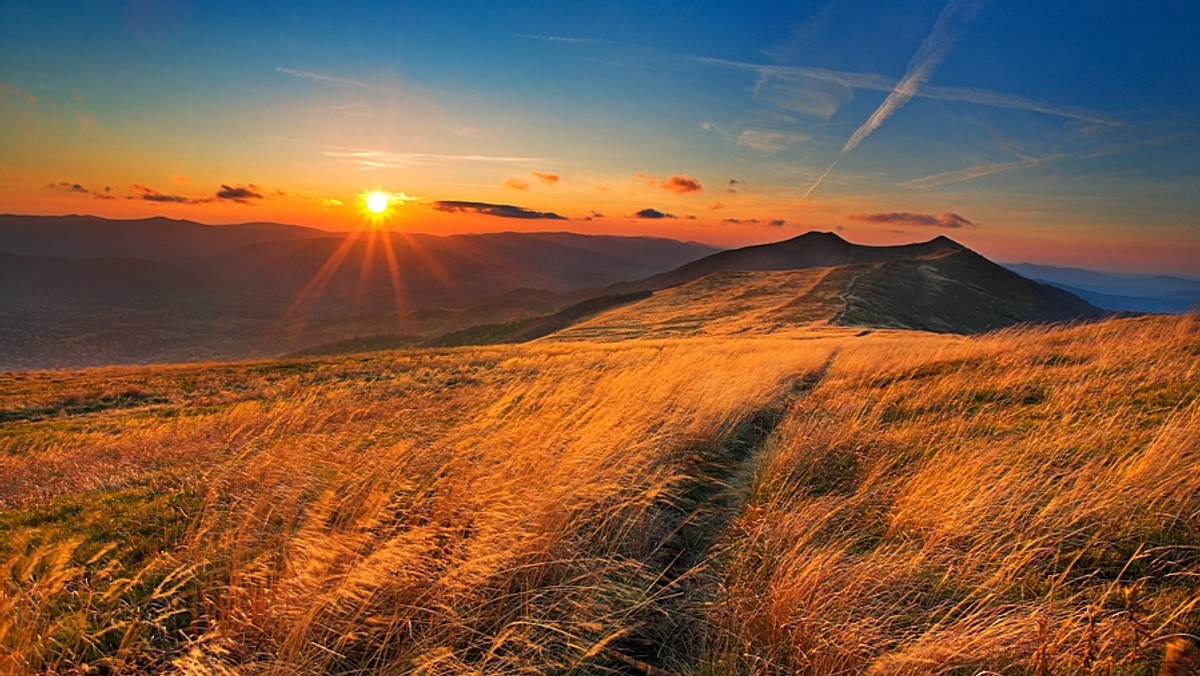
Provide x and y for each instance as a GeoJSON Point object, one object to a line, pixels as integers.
{"type": "Point", "coordinates": [158, 290]}
{"type": "Point", "coordinates": [820, 279]}
{"type": "Point", "coordinates": [81, 290]}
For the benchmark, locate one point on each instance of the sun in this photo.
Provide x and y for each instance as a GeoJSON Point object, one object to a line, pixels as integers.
{"type": "Point", "coordinates": [377, 202]}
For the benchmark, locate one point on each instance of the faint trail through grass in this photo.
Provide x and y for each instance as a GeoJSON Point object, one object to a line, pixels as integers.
{"type": "Point", "coordinates": [706, 507]}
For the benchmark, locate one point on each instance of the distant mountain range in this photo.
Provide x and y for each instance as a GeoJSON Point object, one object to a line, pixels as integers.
{"type": "Point", "coordinates": [1117, 291]}
{"type": "Point", "coordinates": [80, 290]}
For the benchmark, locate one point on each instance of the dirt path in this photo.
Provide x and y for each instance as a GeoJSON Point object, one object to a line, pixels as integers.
{"type": "Point", "coordinates": [675, 631]}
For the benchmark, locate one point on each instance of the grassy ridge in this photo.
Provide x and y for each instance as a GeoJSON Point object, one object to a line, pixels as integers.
{"type": "Point", "coordinates": [900, 503]}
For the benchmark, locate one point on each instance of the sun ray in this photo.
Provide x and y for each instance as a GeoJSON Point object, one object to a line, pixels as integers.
{"type": "Point", "coordinates": [312, 291]}
{"type": "Point", "coordinates": [394, 273]}
{"type": "Point", "coordinates": [364, 274]}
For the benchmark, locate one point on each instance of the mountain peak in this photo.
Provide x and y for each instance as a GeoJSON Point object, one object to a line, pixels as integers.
{"type": "Point", "coordinates": [819, 236]}
{"type": "Point", "coordinates": [944, 241]}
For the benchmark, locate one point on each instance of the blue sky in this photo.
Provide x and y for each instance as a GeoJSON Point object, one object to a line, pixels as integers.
{"type": "Point", "coordinates": [1058, 132]}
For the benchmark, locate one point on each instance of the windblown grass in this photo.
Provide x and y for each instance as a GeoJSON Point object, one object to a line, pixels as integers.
{"type": "Point", "coordinates": [494, 510]}
{"type": "Point", "coordinates": [1021, 502]}
{"type": "Point", "coordinates": [1025, 502]}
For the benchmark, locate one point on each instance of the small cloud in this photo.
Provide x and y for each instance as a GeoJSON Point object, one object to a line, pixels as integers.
{"type": "Point", "coordinates": [239, 193]}
{"type": "Point", "coordinates": [716, 206]}
{"type": "Point", "coordinates": [330, 202]}
{"type": "Point", "coordinates": [517, 184]}
{"type": "Point", "coordinates": [7, 90]}
{"type": "Point", "coordinates": [774, 222]}
{"type": "Point", "coordinates": [681, 184]}
{"type": "Point", "coordinates": [840, 228]}
{"type": "Point", "coordinates": [67, 186]}
{"type": "Point", "coordinates": [501, 210]}
{"type": "Point", "coordinates": [148, 194]}
{"type": "Point", "coordinates": [594, 215]}
{"type": "Point", "coordinates": [547, 178]}
{"type": "Point", "coordinates": [944, 220]}
{"type": "Point", "coordinates": [732, 185]}
{"type": "Point", "coordinates": [768, 141]}
{"type": "Point", "coordinates": [180, 180]}
{"type": "Point", "coordinates": [649, 180]}
{"type": "Point", "coordinates": [468, 131]}
{"type": "Point", "coordinates": [653, 213]}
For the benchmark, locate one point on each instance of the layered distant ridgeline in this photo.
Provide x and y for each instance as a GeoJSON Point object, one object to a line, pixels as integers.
{"type": "Point", "coordinates": [81, 290]}
{"type": "Point", "coordinates": [1120, 291]}
{"type": "Point", "coordinates": [77, 290]}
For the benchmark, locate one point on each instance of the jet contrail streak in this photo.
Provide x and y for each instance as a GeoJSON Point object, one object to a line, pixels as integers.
{"type": "Point", "coordinates": [929, 56]}
{"type": "Point", "coordinates": [814, 185]}
{"type": "Point", "coordinates": [933, 51]}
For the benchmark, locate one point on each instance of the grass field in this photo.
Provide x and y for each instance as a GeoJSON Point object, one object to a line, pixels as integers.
{"type": "Point", "coordinates": [814, 502]}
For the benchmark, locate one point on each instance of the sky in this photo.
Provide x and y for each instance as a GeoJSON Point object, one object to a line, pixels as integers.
{"type": "Point", "coordinates": [1063, 133]}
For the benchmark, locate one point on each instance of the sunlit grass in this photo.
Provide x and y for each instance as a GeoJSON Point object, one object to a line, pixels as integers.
{"type": "Point", "coordinates": [1028, 500]}
{"type": "Point", "coordinates": [1025, 501]}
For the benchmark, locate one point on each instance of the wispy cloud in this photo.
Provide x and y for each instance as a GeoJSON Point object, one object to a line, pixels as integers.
{"type": "Point", "coordinates": [876, 82]}
{"type": "Point", "coordinates": [501, 210]}
{"type": "Point", "coordinates": [325, 78]}
{"type": "Point", "coordinates": [7, 90]}
{"type": "Point", "coordinates": [773, 222]}
{"type": "Point", "coordinates": [548, 179]}
{"type": "Point", "coordinates": [945, 219]}
{"type": "Point", "coordinates": [935, 48]}
{"type": "Point", "coordinates": [147, 194]}
{"type": "Point", "coordinates": [770, 141]}
{"type": "Point", "coordinates": [517, 184]}
{"type": "Point", "coordinates": [240, 193]}
{"type": "Point", "coordinates": [567, 39]}
{"type": "Point", "coordinates": [68, 186]}
{"type": "Point", "coordinates": [929, 56]}
{"type": "Point", "coordinates": [981, 170]}
{"type": "Point", "coordinates": [367, 160]}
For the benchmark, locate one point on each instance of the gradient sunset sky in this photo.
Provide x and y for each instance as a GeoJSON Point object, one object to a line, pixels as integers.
{"type": "Point", "coordinates": [1054, 132]}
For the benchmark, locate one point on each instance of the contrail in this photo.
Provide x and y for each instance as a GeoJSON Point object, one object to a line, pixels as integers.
{"type": "Point", "coordinates": [324, 78]}
{"type": "Point", "coordinates": [981, 170]}
{"type": "Point", "coordinates": [933, 51]}
{"type": "Point", "coordinates": [814, 185]}
{"type": "Point", "coordinates": [875, 82]}
{"type": "Point", "coordinates": [935, 48]}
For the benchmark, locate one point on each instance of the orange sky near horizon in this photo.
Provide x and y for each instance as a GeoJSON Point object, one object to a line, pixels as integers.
{"type": "Point", "coordinates": [184, 113]}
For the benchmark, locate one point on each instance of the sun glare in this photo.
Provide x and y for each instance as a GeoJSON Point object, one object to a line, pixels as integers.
{"type": "Point", "coordinates": [377, 202]}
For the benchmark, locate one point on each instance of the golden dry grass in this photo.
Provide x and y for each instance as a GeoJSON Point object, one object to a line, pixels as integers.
{"type": "Point", "coordinates": [1025, 501]}
{"type": "Point", "coordinates": [483, 509]}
